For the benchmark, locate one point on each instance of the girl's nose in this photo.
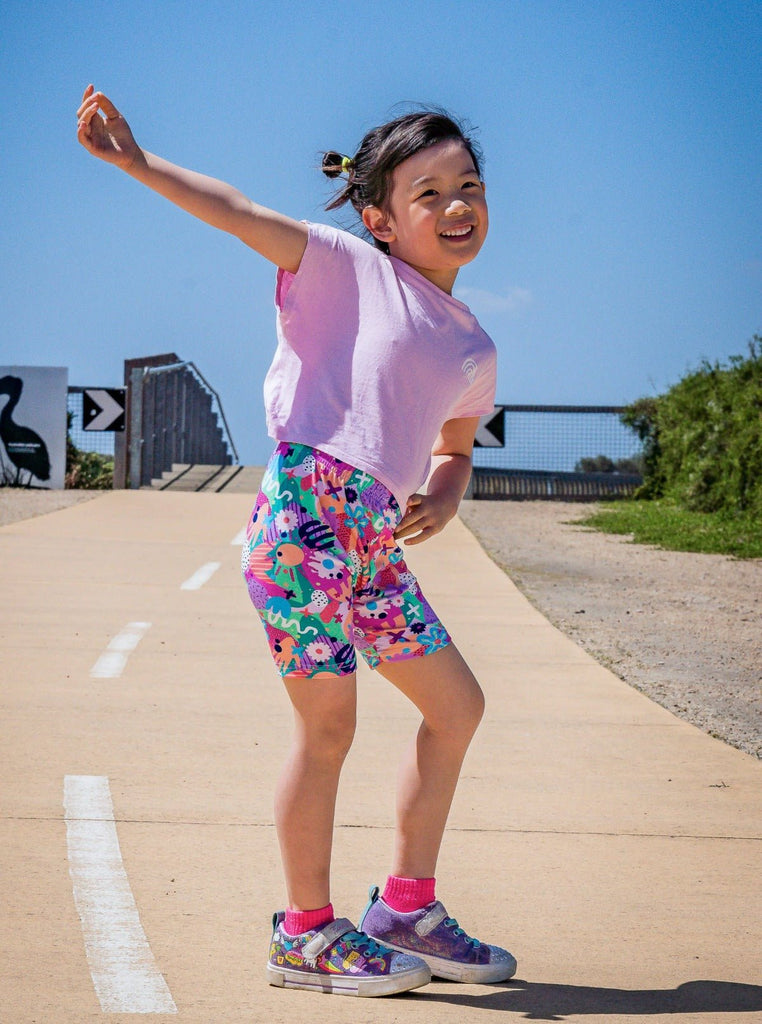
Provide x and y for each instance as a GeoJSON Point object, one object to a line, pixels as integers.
{"type": "Point", "coordinates": [457, 206]}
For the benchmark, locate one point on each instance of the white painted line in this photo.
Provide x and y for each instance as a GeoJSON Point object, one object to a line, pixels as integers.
{"type": "Point", "coordinates": [111, 663]}
{"type": "Point", "coordinates": [239, 539]}
{"type": "Point", "coordinates": [124, 972]}
{"type": "Point", "coordinates": [200, 576]}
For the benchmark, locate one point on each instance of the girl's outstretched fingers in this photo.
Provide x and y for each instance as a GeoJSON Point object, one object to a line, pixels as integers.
{"type": "Point", "coordinates": [87, 107]}
{"type": "Point", "coordinates": [107, 137]}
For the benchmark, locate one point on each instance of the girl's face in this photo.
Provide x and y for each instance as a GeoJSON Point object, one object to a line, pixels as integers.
{"type": "Point", "coordinates": [436, 215]}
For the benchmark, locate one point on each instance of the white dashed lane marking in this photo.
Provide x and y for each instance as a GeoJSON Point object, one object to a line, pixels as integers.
{"type": "Point", "coordinates": [124, 972]}
{"type": "Point", "coordinates": [239, 539]}
{"type": "Point", "coordinates": [201, 576]}
{"type": "Point", "coordinates": [111, 663]}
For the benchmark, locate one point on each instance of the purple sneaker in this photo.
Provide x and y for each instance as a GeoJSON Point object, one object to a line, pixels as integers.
{"type": "Point", "coordinates": [436, 938]}
{"type": "Point", "coordinates": [342, 960]}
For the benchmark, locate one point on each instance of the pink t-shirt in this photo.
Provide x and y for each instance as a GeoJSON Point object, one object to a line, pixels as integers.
{"type": "Point", "coordinates": [372, 360]}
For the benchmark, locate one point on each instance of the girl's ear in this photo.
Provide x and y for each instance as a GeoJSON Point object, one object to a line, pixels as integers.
{"type": "Point", "coordinates": [377, 222]}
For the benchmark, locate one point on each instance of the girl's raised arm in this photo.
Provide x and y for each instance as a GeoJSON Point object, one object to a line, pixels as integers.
{"type": "Point", "coordinates": [103, 131]}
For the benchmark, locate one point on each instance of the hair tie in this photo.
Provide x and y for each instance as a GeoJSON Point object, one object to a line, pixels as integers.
{"type": "Point", "coordinates": [335, 164]}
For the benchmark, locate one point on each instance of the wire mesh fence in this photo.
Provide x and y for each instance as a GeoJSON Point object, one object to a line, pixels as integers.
{"type": "Point", "coordinates": [563, 452]}
{"type": "Point", "coordinates": [563, 439]}
{"type": "Point", "coordinates": [101, 441]}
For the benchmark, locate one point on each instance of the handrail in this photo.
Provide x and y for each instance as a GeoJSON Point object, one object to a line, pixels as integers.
{"type": "Point", "coordinates": [179, 366]}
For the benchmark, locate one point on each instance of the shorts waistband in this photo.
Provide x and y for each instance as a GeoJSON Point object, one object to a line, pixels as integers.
{"type": "Point", "coordinates": [370, 492]}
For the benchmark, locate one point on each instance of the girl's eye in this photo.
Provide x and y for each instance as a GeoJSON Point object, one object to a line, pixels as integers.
{"type": "Point", "coordinates": [428, 192]}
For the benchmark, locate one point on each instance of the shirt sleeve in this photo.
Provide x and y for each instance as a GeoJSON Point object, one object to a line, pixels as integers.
{"type": "Point", "coordinates": [329, 255]}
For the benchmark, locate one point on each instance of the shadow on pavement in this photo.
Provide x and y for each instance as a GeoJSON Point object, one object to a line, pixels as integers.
{"type": "Point", "coordinates": [537, 1001]}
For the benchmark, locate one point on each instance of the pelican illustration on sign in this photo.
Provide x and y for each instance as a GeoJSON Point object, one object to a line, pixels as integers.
{"type": "Point", "coordinates": [23, 446]}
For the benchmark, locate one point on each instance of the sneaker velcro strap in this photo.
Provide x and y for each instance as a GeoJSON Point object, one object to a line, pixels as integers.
{"type": "Point", "coordinates": [429, 922]}
{"type": "Point", "coordinates": [327, 937]}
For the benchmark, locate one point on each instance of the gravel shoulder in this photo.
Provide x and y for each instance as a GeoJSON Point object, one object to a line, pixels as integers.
{"type": "Point", "coordinates": [24, 503]}
{"type": "Point", "coordinates": [685, 629]}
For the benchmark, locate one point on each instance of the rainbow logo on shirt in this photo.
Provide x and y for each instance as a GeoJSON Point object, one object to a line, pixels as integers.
{"type": "Point", "coordinates": [469, 368]}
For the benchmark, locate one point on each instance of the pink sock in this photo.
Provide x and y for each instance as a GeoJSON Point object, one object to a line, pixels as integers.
{"type": "Point", "coordinates": [298, 921]}
{"type": "Point", "coordinates": [407, 894]}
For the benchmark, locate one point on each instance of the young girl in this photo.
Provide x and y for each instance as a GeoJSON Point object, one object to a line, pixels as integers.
{"type": "Point", "coordinates": [377, 385]}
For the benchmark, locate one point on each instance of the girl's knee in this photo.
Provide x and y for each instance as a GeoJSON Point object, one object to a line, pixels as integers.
{"type": "Point", "coordinates": [327, 737]}
{"type": "Point", "coordinates": [332, 739]}
{"type": "Point", "coordinates": [445, 691]}
{"type": "Point", "coordinates": [468, 699]}
{"type": "Point", "coordinates": [458, 717]}
{"type": "Point", "coordinates": [478, 704]}
{"type": "Point", "coordinates": [471, 709]}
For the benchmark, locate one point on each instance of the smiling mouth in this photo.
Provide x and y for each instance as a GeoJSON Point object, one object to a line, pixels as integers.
{"type": "Point", "coordinates": [465, 232]}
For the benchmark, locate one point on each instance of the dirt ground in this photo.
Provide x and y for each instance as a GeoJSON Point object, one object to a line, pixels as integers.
{"type": "Point", "coordinates": [686, 629]}
{"type": "Point", "coordinates": [22, 503]}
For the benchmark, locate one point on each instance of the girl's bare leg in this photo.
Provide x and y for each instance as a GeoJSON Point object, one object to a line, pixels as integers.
{"type": "Point", "coordinates": [305, 800]}
{"type": "Point", "coordinates": [444, 689]}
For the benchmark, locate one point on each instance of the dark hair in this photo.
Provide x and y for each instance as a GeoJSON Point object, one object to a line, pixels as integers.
{"type": "Point", "coordinates": [386, 147]}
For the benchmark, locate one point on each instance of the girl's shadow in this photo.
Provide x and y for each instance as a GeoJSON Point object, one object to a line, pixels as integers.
{"type": "Point", "coordinates": [537, 1001]}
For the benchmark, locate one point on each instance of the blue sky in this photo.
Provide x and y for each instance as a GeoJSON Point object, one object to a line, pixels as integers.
{"type": "Point", "coordinates": [623, 151]}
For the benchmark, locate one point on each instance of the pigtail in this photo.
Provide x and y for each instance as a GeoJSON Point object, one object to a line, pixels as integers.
{"type": "Point", "coordinates": [333, 166]}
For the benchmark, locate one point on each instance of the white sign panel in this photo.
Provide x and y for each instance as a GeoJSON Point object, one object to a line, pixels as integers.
{"type": "Point", "coordinates": [33, 425]}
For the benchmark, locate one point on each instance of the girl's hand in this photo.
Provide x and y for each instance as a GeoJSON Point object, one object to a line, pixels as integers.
{"type": "Point", "coordinates": [425, 516]}
{"type": "Point", "coordinates": [108, 137]}
{"type": "Point", "coordinates": [428, 514]}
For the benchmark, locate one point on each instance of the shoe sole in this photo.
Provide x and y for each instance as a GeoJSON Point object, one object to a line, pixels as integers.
{"type": "Point", "coordinates": [347, 985]}
{"type": "Point", "coordinates": [468, 974]}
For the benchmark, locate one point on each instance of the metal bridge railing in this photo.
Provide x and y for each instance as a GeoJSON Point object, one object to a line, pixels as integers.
{"type": "Point", "coordinates": [173, 416]}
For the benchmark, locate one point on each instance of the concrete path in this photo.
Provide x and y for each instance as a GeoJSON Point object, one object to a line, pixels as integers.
{"type": "Point", "coordinates": [616, 850]}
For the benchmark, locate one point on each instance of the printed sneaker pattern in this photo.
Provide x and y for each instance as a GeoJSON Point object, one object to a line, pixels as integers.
{"type": "Point", "coordinates": [353, 953]}
{"type": "Point", "coordinates": [438, 939]}
{"type": "Point", "coordinates": [340, 959]}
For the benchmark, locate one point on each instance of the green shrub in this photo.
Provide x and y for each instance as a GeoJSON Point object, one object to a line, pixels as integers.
{"type": "Point", "coordinates": [87, 470]}
{"type": "Point", "coordinates": [641, 417]}
{"type": "Point", "coordinates": [90, 471]}
{"type": "Point", "coordinates": [603, 464]}
{"type": "Point", "coordinates": [703, 438]}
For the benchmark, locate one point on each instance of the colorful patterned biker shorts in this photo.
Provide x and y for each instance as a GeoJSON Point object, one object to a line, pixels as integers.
{"type": "Point", "coordinates": [325, 573]}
